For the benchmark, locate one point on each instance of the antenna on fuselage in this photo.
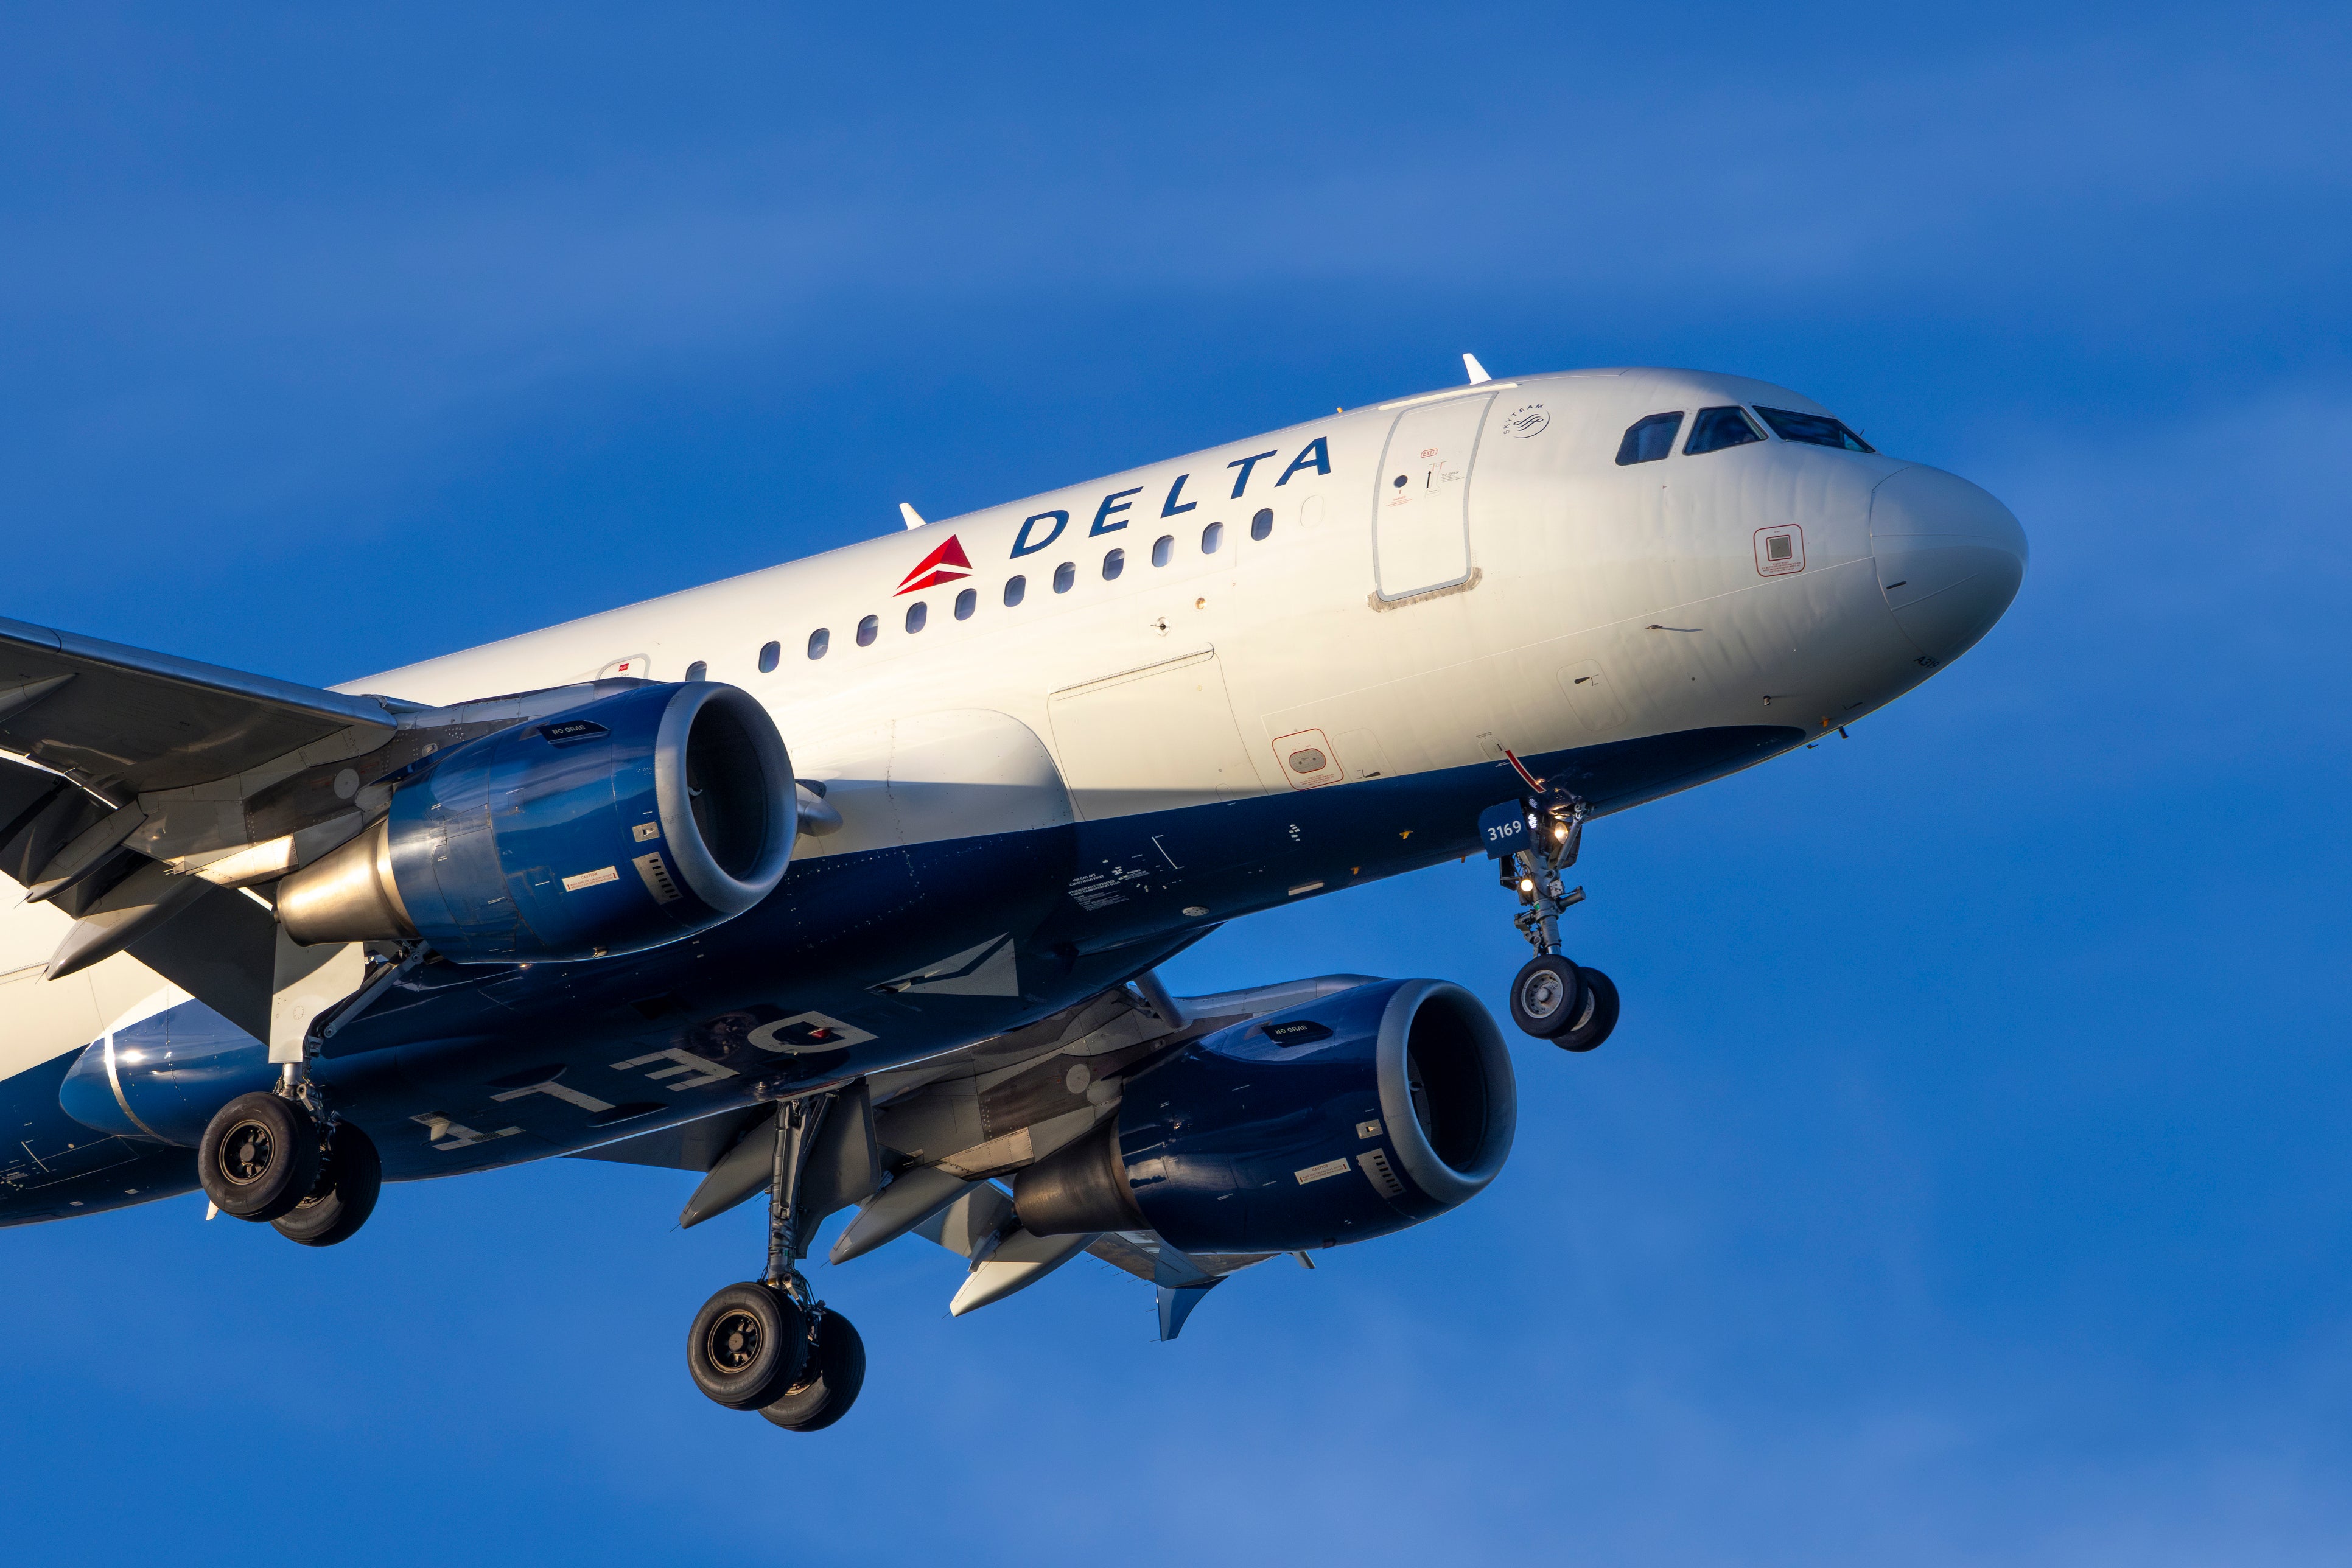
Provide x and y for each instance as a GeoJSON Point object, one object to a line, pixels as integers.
{"type": "Point", "coordinates": [914, 519]}
{"type": "Point", "coordinates": [1478, 372]}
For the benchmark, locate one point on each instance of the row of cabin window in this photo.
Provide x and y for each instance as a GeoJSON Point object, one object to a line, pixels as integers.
{"type": "Point", "coordinates": [1650, 438]}
{"type": "Point", "coordinates": [1016, 588]}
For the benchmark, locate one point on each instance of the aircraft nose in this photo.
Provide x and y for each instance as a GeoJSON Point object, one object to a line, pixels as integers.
{"type": "Point", "coordinates": [1950, 558]}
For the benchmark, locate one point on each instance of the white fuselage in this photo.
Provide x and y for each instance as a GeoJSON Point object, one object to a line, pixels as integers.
{"type": "Point", "coordinates": [1566, 601]}
{"type": "Point", "coordinates": [1434, 583]}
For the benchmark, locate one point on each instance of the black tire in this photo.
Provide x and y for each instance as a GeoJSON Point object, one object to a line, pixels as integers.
{"type": "Point", "coordinates": [828, 1383]}
{"type": "Point", "coordinates": [1547, 996]}
{"type": "Point", "coordinates": [259, 1157]}
{"type": "Point", "coordinates": [350, 1177]}
{"type": "Point", "coordinates": [1597, 1018]}
{"type": "Point", "coordinates": [746, 1346]}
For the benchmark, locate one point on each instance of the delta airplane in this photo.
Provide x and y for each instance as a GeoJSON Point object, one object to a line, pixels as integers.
{"type": "Point", "coordinates": [844, 884]}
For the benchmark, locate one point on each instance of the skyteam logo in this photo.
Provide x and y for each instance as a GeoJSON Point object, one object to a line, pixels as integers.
{"type": "Point", "coordinates": [944, 565]}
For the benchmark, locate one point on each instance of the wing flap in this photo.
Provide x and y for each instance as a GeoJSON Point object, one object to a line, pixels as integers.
{"type": "Point", "coordinates": [222, 956]}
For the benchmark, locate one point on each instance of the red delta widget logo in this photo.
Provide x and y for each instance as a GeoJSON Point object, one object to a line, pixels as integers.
{"type": "Point", "coordinates": [944, 565]}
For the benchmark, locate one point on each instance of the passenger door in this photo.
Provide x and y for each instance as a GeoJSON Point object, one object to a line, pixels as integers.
{"type": "Point", "coordinates": [1421, 521]}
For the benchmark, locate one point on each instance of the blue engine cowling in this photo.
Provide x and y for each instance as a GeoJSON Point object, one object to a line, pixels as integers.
{"type": "Point", "coordinates": [1349, 1117]}
{"type": "Point", "coordinates": [624, 823]}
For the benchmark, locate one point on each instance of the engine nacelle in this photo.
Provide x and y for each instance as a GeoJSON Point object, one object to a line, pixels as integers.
{"type": "Point", "coordinates": [1348, 1117]}
{"type": "Point", "coordinates": [623, 824]}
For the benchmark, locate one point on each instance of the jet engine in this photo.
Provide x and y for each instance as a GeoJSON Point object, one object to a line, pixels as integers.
{"type": "Point", "coordinates": [624, 823]}
{"type": "Point", "coordinates": [1348, 1117]}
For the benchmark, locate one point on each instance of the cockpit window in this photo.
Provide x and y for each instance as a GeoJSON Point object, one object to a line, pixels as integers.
{"type": "Point", "coordinates": [1818, 429]}
{"type": "Point", "coordinates": [1647, 440]}
{"type": "Point", "coordinates": [1715, 428]}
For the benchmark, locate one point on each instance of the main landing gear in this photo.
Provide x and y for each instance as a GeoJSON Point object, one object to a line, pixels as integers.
{"type": "Point", "coordinates": [1553, 998]}
{"type": "Point", "coordinates": [770, 1346]}
{"type": "Point", "coordinates": [281, 1158]}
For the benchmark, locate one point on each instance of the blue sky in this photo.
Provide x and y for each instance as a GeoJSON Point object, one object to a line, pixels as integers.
{"type": "Point", "coordinates": [1968, 1179]}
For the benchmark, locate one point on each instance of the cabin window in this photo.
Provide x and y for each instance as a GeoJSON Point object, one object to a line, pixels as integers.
{"type": "Point", "coordinates": [866, 629]}
{"type": "Point", "coordinates": [1064, 575]}
{"type": "Point", "coordinates": [1013, 588]}
{"type": "Point", "coordinates": [1715, 428]}
{"type": "Point", "coordinates": [1262, 524]}
{"type": "Point", "coordinates": [819, 640]}
{"type": "Point", "coordinates": [1114, 563]}
{"type": "Point", "coordinates": [699, 670]}
{"type": "Point", "coordinates": [769, 654]}
{"type": "Point", "coordinates": [1649, 439]}
{"type": "Point", "coordinates": [1818, 429]}
{"type": "Point", "coordinates": [918, 614]}
{"type": "Point", "coordinates": [1163, 548]}
{"type": "Point", "coordinates": [1211, 537]}
{"type": "Point", "coordinates": [966, 603]}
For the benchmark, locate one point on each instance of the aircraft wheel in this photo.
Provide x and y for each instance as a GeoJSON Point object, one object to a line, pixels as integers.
{"type": "Point", "coordinates": [346, 1194]}
{"type": "Point", "coordinates": [258, 1157]}
{"type": "Point", "coordinates": [828, 1383]}
{"type": "Point", "coordinates": [1596, 1018]}
{"type": "Point", "coordinates": [1547, 996]}
{"type": "Point", "coordinates": [746, 1346]}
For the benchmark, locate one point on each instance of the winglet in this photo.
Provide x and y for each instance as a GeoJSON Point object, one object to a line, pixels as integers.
{"type": "Point", "coordinates": [915, 520]}
{"type": "Point", "coordinates": [1469, 363]}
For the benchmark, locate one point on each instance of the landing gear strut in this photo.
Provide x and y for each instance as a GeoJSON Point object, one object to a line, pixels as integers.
{"type": "Point", "coordinates": [280, 1157]}
{"type": "Point", "coordinates": [1552, 997]}
{"type": "Point", "coordinates": [770, 1345]}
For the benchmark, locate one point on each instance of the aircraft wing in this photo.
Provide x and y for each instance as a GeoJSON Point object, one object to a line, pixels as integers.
{"type": "Point", "coordinates": [122, 721]}
{"type": "Point", "coordinates": [113, 758]}
{"type": "Point", "coordinates": [944, 1131]}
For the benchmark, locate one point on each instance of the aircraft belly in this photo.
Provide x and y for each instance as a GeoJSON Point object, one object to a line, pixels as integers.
{"type": "Point", "coordinates": [53, 1167]}
{"type": "Point", "coordinates": [868, 960]}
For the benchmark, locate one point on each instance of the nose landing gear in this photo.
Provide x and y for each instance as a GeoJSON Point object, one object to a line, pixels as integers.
{"type": "Point", "coordinates": [1552, 998]}
{"type": "Point", "coordinates": [1573, 1007]}
{"type": "Point", "coordinates": [770, 1345]}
